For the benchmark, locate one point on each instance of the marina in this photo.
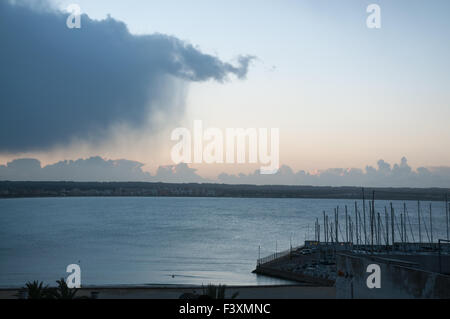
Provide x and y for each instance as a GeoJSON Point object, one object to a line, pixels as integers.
{"type": "Point", "coordinates": [364, 236]}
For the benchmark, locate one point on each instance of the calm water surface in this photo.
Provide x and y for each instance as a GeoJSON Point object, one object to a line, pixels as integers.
{"type": "Point", "coordinates": [158, 240]}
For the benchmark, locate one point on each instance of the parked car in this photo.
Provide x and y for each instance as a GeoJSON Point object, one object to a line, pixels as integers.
{"type": "Point", "coordinates": [306, 252]}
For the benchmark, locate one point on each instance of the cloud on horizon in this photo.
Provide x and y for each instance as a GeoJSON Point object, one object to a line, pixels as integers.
{"type": "Point", "coordinates": [60, 84]}
{"type": "Point", "coordinates": [95, 169]}
{"type": "Point", "coordinates": [384, 175]}
{"type": "Point", "coordinates": [99, 169]}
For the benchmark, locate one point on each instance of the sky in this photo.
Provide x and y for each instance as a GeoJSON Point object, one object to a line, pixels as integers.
{"type": "Point", "coordinates": [342, 95]}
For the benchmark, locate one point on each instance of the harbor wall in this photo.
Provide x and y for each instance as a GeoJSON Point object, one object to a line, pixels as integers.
{"type": "Point", "coordinates": [399, 278]}
{"type": "Point", "coordinates": [289, 275]}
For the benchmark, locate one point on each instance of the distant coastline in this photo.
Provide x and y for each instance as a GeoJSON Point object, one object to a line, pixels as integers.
{"type": "Point", "coordinates": [16, 189]}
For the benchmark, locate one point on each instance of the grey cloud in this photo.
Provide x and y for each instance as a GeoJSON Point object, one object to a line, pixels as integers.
{"type": "Point", "coordinates": [383, 167]}
{"type": "Point", "coordinates": [59, 83]}
{"type": "Point", "coordinates": [180, 173]}
{"type": "Point", "coordinates": [400, 175]}
{"type": "Point", "coordinates": [91, 169]}
{"type": "Point", "coordinates": [21, 169]}
{"type": "Point", "coordinates": [95, 169]}
{"type": "Point", "coordinates": [99, 169]}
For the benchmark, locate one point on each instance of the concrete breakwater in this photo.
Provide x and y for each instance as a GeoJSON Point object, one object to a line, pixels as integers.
{"type": "Point", "coordinates": [406, 276]}
{"type": "Point", "coordinates": [301, 265]}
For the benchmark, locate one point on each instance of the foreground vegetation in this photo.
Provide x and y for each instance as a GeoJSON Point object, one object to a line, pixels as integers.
{"type": "Point", "coordinates": [37, 290]}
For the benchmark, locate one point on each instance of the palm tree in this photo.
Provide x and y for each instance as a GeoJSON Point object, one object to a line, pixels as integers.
{"type": "Point", "coordinates": [37, 290]}
{"type": "Point", "coordinates": [217, 292]}
{"type": "Point", "coordinates": [63, 291]}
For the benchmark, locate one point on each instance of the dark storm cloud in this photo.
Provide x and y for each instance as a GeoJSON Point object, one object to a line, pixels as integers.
{"type": "Point", "coordinates": [59, 83]}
